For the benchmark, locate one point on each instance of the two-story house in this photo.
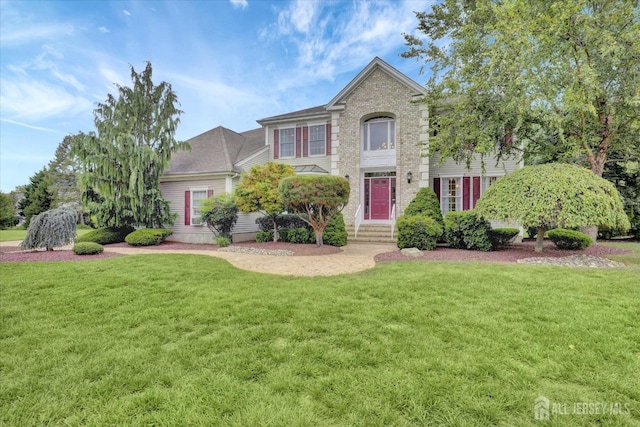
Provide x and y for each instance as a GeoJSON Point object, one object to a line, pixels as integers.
{"type": "Point", "coordinates": [374, 132]}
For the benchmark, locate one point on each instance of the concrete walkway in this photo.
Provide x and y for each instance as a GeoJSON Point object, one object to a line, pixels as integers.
{"type": "Point", "coordinates": [353, 258]}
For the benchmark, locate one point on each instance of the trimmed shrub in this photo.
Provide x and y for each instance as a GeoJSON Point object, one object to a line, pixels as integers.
{"type": "Point", "coordinates": [105, 236]}
{"type": "Point", "coordinates": [83, 227]}
{"type": "Point", "coordinates": [283, 221]}
{"type": "Point", "coordinates": [569, 239]}
{"type": "Point", "coordinates": [223, 241]}
{"type": "Point", "coordinates": [502, 236]}
{"type": "Point", "coordinates": [87, 248]}
{"type": "Point", "coordinates": [148, 236]}
{"type": "Point", "coordinates": [55, 227]}
{"type": "Point", "coordinates": [297, 235]}
{"type": "Point", "coordinates": [425, 203]}
{"type": "Point", "coordinates": [417, 231]}
{"type": "Point", "coordinates": [335, 233]}
{"type": "Point", "coordinates": [263, 236]}
{"type": "Point", "coordinates": [220, 213]}
{"type": "Point", "coordinates": [467, 230]}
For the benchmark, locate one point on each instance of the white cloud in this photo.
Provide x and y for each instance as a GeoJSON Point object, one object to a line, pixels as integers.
{"type": "Point", "coordinates": [13, 34]}
{"type": "Point", "coordinates": [126, 12]}
{"type": "Point", "coordinates": [103, 29]}
{"type": "Point", "coordinates": [239, 4]}
{"type": "Point", "coordinates": [34, 100]}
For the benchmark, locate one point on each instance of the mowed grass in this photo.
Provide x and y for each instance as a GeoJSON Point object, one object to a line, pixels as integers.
{"type": "Point", "coordinates": [15, 234]}
{"type": "Point", "coordinates": [190, 340]}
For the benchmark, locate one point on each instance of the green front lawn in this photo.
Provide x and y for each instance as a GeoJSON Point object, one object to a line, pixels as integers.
{"type": "Point", "coordinates": [190, 340]}
{"type": "Point", "coordinates": [19, 234]}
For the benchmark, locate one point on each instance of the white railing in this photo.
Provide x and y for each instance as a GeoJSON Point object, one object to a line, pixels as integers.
{"type": "Point", "coordinates": [393, 219]}
{"type": "Point", "coordinates": [358, 221]}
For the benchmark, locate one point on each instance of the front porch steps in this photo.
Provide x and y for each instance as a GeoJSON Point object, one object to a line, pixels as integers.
{"type": "Point", "coordinates": [378, 233]}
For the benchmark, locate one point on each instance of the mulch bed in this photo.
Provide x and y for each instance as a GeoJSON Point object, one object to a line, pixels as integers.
{"type": "Point", "coordinates": [13, 253]}
{"type": "Point", "coordinates": [511, 253]}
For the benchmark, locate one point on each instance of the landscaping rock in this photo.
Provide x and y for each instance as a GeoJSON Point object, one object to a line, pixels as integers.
{"type": "Point", "coordinates": [412, 252]}
{"type": "Point", "coordinates": [574, 261]}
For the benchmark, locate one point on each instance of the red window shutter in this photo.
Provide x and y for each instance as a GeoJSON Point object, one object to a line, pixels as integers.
{"type": "Point", "coordinates": [305, 141]}
{"type": "Point", "coordinates": [476, 191]}
{"type": "Point", "coordinates": [466, 193]}
{"type": "Point", "coordinates": [276, 143]}
{"type": "Point", "coordinates": [298, 142]}
{"type": "Point", "coordinates": [436, 189]}
{"type": "Point", "coordinates": [209, 193]}
{"type": "Point", "coordinates": [328, 136]}
{"type": "Point", "coordinates": [187, 207]}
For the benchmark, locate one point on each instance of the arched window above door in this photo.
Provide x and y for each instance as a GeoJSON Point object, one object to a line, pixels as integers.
{"type": "Point", "coordinates": [379, 133]}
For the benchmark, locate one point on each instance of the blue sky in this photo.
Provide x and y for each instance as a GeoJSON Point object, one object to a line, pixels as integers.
{"type": "Point", "coordinates": [230, 62]}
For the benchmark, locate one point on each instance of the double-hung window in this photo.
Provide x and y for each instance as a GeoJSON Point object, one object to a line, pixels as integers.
{"type": "Point", "coordinates": [197, 196]}
{"type": "Point", "coordinates": [317, 140]}
{"type": "Point", "coordinates": [451, 195]}
{"type": "Point", "coordinates": [287, 142]}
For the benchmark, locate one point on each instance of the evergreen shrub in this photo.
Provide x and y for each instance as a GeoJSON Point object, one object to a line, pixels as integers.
{"type": "Point", "coordinates": [416, 231]}
{"type": "Point", "coordinates": [55, 227]}
{"type": "Point", "coordinates": [502, 236]}
{"type": "Point", "coordinates": [148, 236]}
{"type": "Point", "coordinates": [335, 233]}
{"type": "Point", "coordinates": [467, 230]}
{"type": "Point", "coordinates": [425, 203]}
{"type": "Point", "coordinates": [88, 248]}
{"type": "Point", "coordinates": [263, 236]}
{"type": "Point", "coordinates": [223, 241]}
{"type": "Point", "coordinates": [106, 236]}
{"type": "Point", "coordinates": [569, 239]}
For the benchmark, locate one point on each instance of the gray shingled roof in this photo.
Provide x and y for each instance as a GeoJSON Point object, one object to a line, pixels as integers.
{"type": "Point", "coordinates": [307, 112]}
{"type": "Point", "coordinates": [217, 150]}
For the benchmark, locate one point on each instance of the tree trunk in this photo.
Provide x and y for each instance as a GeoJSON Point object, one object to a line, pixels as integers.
{"type": "Point", "coordinates": [319, 241]}
{"type": "Point", "coordinates": [540, 239]}
{"type": "Point", "coordinates": [591, 231]}
{"type": "Point", "coordinates": [275, 230]}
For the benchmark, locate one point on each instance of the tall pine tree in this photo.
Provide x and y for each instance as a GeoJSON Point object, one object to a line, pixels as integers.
{"type": "Point", "coordinates": [37, 197]}
{"type": "Point", "coordinates": [122, 161]}
{"type": "Point", "coordinates": [63, 172]}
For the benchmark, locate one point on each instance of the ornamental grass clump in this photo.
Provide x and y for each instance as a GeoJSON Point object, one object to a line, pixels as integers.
{"type": "Point", "coordinates": [53, 228]}
{"type": "Point", "coordinates": [569, 239]}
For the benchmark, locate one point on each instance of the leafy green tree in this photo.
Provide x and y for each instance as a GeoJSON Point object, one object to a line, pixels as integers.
{"type": "Point", "coordinates": [554, 195]}
{"type": "Point", "coordinates": [63, 172]}
{"type": "Point", "coordinates": [562, 76]}
{"type": "Point", "coordinates": [122, 161]}
{"type": "Point", "coordinates": [317, 199]}
{"type": "Point", "coordinates": [258, 191]}
{"type": "Point", "coordinates": [7, 211]}
{"type": "Point", "coordinates": [37, 197]}
{"type": "Point", "coordinates": [55, 227]}
{"type": "Point", "coordinates": [220, 213]}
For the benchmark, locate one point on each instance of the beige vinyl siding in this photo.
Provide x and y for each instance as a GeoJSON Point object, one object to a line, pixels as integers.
{"type": "Point", "coordinates": [452, 169]}
{"type": "Point", "coordinates": [173, 191]}
{"type": "Point", "coordinates": [259, 159]}
{"type": "Point", "coordinates": [323, 161]}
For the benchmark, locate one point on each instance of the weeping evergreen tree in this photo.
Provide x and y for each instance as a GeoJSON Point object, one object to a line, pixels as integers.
{"type": "Point", "coordinates": [55, 227]}
{"type": "Point", "coordinates": [122, 161]}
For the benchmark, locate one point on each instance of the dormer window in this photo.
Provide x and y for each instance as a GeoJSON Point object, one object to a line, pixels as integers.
{"type": "Point", "coordinates": [379, 133]}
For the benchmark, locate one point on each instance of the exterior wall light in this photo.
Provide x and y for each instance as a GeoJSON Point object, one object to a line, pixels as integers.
{"type": "Point", "coordinates": [346, 177]}
{"type": "Point", "coordinates": [409, 177]}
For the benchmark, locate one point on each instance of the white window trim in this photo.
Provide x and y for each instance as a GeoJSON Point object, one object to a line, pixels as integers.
{"type": "Point", "coordinates": [324, 145]}
{"type": "Point", "coordinates": [364, 143]}
{"type": "Point", "coordinates": [192, 206]}
{"type": "Point", "coordinates": [280, 129]}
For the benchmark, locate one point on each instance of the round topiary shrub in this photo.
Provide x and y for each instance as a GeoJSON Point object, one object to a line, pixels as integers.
{"type": "Point", "coordinates": [425, 203]}
{"type": "Point", "coordinates": [418, 231]}
{"type": "Point", "coordinates": [335, 233]}
{"type": "Point", "coordinates": [87, 248]}
{"type": "Point", "coordinates": [148, 236]}
{"type": "Point", "coordinates": [502, 236]}
{"type": "Point", "coordinates": [569, 239]}
{"type": "Point", "coordinates": [105, 236]}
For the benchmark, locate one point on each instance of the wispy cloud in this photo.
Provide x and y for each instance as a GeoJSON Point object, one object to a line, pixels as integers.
{"type": "Point", "coordinates": [239, 4]}
{"type": "Point", "coordinates": [12, 34]}
{"type": "Point", "coordinates": [103, 29]}
{"type": "Point", "coordinates": [126, 12]}
{"type": "Point", "coordinates": [28, 126]}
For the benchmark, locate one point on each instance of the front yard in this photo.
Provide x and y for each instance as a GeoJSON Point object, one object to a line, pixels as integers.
{"type": "Point", "coordinates": [190, 340]}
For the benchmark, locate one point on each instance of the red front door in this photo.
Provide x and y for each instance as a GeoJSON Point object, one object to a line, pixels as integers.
{"type": "Point", "coordinates": [380, 193]}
